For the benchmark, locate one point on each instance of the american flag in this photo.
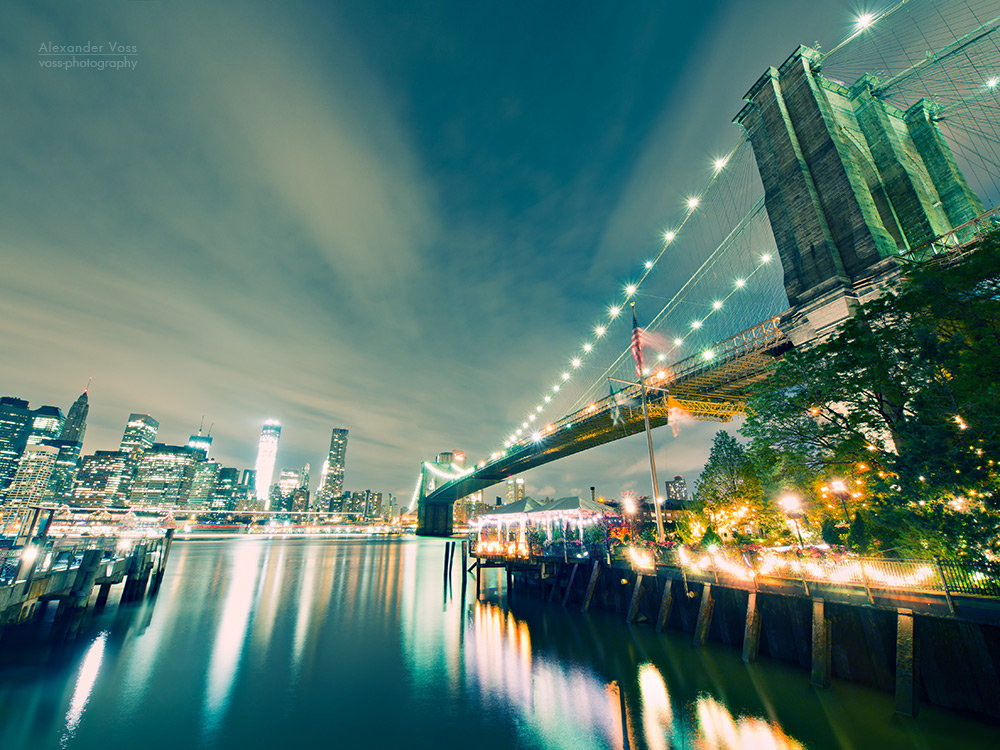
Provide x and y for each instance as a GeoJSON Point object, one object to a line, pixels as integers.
{"type": "Point", "coordinates": [636, 346]}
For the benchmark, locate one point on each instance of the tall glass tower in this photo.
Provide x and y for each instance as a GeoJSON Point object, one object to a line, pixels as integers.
{"type": "Point", "coordinates": [332, 480]}
{"type": "Point", "coordinates": [267, 451]}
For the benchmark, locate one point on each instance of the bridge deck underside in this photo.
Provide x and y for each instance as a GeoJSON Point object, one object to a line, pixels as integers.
{"type": "Point", "coordinates": [716, 391]}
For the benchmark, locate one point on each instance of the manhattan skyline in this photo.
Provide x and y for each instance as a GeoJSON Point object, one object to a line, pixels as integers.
{"type": "Point", "coordinates": [350, 218]}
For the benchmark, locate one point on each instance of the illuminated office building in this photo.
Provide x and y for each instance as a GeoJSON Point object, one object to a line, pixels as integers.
{"type": "Point", "coordinates": [31, 482]}
{"type": "Point", "coordinates": [14, 419]}
{"type": "Point", "coordinates": [331, 481]}
{"type": "Point", "coordinates": [206, 474]}
{"type": "Point", "coordinates": [164, 476]}
{"type": "Point", "coordinates": [46, 424]}
{"type": "Point", "coordinates": [64, 471]}
{"type": "Point", "coordinates": [201, 443]}
{"type": "Point", "coordinates": [103, 478]}
{"type": "Point", "coordinates": [267, 452]}
{"type": "Point", "coordinates": [139, 435]}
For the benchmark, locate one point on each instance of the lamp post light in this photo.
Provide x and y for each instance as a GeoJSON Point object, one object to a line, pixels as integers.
{"type": "Point", "coordinates": [793, 509]}
{"type": "Point", "coordinates": [838, 489]}
{"type": "Point", "coordinates": [630, 510]}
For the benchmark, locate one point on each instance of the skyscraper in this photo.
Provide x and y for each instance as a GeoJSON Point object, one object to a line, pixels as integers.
{"type": "Point", "coordinates": [103, 478]}
{"type": "Point", "coordinates": [140, 434]}
{"type": "Point", "coordinates": [64, 471]}
{"type": "Point", "coordinates": [225, 489]}
{"type": "Point", "coordinates": [76, 420]}
{"type": "Point", "coordinates": [200, 442]}
{"type": "Point", "coordinates": [14, 418]}
{"type": "Point", "coordinates": [164, 476]}
{"type": "Point", "coordinates": [332, 474]}
{"type": "Point", "coordinates": [267, 451]}
{"type": "Point", "coordinates": [46, 423]}
{"type": "Point", "coordinates": [31, 481]}
{"type": "Point", "coordinates": [206, 473]}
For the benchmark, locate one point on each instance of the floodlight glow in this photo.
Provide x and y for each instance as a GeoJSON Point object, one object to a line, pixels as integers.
{"type": "Point", "coordinates": [548, 398]}
{"type": "Point", "coordinates": [600, 330]}
{"type": "Point", "coordinates": [575, 362]}
{"type": "Point", "coordinates": [865, 20]}
{"type": "Point", "coordinates": [587, 347]}
{"type": "Point", "coordinates": [740, 283]}
{"type": "Point", "coordinates": [717, 305]}
{"type": "Point", "coordinates": [555, 388]}
{"type": "Point", "coordinates": [678, 342]}
{"type": "Point", "coordinates": [524, 424]}
{"type": "Point", "coordinates": [765, 258]}
{"type": "Point", "coordinates": [614, 311]}
{"type": "Point", "coordinates": [538, 408]}
{"type": "Point", "coordinates": [992, 83]}
{"type": "Point", "coordinates": [693, 201]}
{"type": "Point", "coordinates": [531, 417]}
{"type": "Point", "coordinates": [669, 236]}
{"type": "Point", "coordinates": [630, 289]}
{"type": "Point", "coordinates": [696, 324]}
{"type": "Point", "coordinates": [708, 354]}
{"type": "Point", "coordinates": [536, 437]}
{"type": "Point", "coordinates": [649, 264]}
{"type": "Point", "coordinates": [660, 357]}
{"type": "Point", "coordinates": [565, 376]}
{"type": "Point", "coordinates": [720, 164]}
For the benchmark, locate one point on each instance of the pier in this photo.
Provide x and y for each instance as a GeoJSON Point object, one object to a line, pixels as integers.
{"type": "Point", "coordinates": [920, 630]}
{"type": "Point", "coordinates": [39, 568]}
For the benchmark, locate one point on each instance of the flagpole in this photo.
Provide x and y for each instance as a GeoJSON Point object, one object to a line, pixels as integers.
{"type": "Point", "coordinates": [652, 461]}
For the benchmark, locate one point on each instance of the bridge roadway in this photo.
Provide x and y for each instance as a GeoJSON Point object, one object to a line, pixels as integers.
{"type": "Point", "coordinates": [711, 388]}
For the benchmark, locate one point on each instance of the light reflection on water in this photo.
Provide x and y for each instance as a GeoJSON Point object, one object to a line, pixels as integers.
{"type": "Point", "coordinates": [255, 643]}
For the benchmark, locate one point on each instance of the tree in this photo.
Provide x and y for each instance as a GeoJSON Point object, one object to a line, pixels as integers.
{"type": "Point", "coordinates": [908, 389]}
{"type": "Point", "coordinates": [729, 493]}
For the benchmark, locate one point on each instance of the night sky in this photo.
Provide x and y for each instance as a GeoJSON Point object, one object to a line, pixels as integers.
{"type": "Point", "coordinates": [397, 217]}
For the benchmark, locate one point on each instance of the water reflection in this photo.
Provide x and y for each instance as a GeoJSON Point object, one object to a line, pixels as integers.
{"type": "Point", "coordinates": [256, 643]}
{"type": "Point", "coordinates": [84, 684]}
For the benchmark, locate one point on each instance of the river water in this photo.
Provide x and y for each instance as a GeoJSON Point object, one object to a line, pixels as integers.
{"type": "Point", "coordinates": [256, 643]}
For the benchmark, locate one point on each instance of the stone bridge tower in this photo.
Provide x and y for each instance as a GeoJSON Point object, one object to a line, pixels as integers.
{"type": "Point", "coordinates": [850, 183]}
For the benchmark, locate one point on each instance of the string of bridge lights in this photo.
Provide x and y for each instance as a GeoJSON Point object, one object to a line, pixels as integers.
{"type": "Point", "coordinates": [614, 311]}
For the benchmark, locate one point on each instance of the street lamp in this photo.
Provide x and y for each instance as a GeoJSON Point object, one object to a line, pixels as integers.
{"type": "Point", "coordinates": [630, 510]}
{"type": "Point", "coordinates": [838, 489]}
{"type": "Point", "coordinates": [793, 509]}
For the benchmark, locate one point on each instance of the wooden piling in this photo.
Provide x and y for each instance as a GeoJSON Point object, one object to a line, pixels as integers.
{"type": "Point", "coordinates": [555, 582]}
{"type": "Point", "coordinates": [465, 567]}
{"type": "Point", "coordinates": [704, 616]}
{"type": "Point", "coordinates": [569, 586]}
{"type": "Point", "coordinates": [906, 664]}
{"type": "Point", "coordinates": [751, 631]}
{"type": "Point", "coordinates": [633, 607]}
{"type": "Point", "coordinates": [820, 676]}
{"type": "Point", "coordinates": [595, 571]}
{"type": "Point", "coordinates": [666, 604]}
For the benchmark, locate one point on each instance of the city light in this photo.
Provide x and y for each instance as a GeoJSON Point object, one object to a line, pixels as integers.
{"type": "Point", "coordinates": [696, 324]}
{"type": "Point", "coordinates": [588, 347]}
{"type": "Point", "coordinates": [717, 305]}
{"type": "Point", "coordinates": [575, 362]}
{"type": "Point", "coordinates": [669, 236]}
{"type": "Point", "coordinates": [536, 437]}
{"type": "Point", "coordinates": [630, 290]}
{"type": "Point", "coordinates": [865, 20]}
{"type": "Point", "coordinates": [992, 83]}
{"type": "Point", "coordinates": [678, 342]}
{"type": "Point", "coordinates": [740, 283]}
{"type": "Point", "coordinates": [565, 376]}
{"type": "Point", "coordinates": [765, 258]}
{"type": "Point", "coordinates": [708, 354]}
{"type": "Point", "coordinates": [649, 264]}
{"type": "Point", "coordinates": [693, 201]}
{"type": "Point", "coordinates": [614, 311]}
{"type": "Point", "coordinates": [720, 163]}
{"type": "Point", "coordinates": [600, 331]}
